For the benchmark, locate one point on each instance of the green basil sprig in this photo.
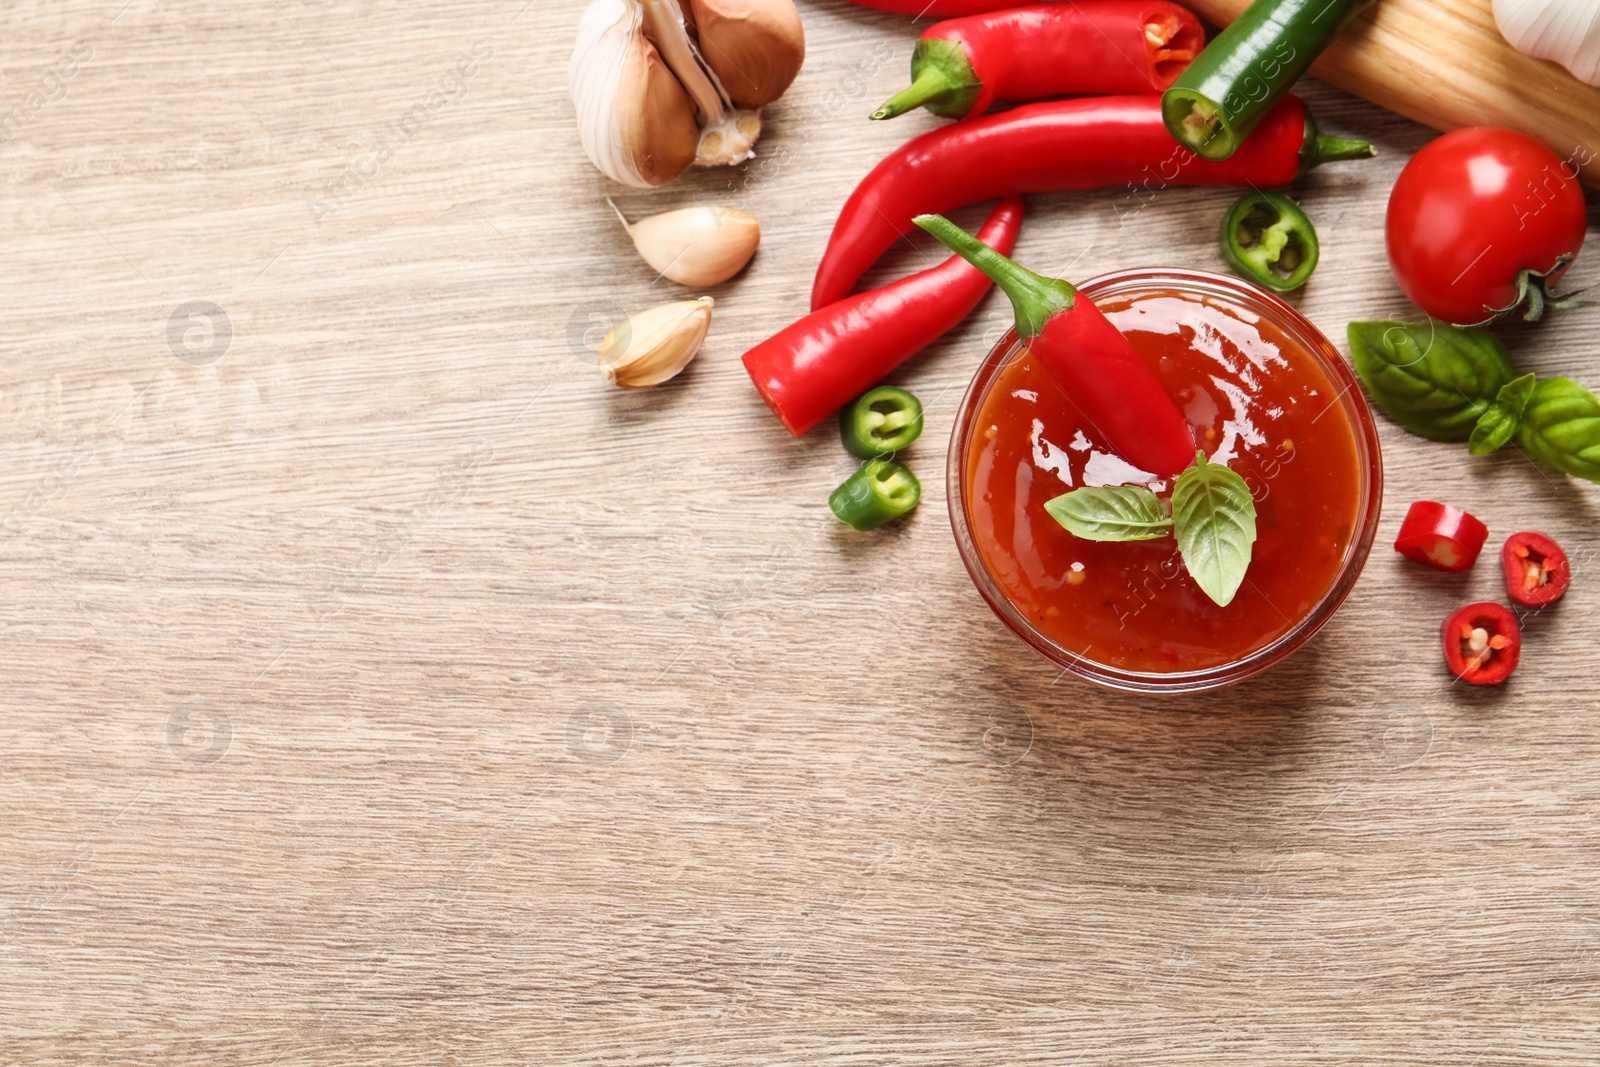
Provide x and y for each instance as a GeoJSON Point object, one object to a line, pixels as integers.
{"type": "Point", "coordinates": [1561, 427]}
{"type": "Point", "coordinates": [1213, 517]}
{"type": "Point", "coordinates": [1450, 383]}
{"type": "Point", "coordinates": [1499, 421]}
{"type": "Point", "coordinates": [1433, 379]}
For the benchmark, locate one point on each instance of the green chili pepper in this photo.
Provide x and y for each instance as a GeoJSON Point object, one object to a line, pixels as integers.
{"type": "Point", "coordinates": [881, 490]}
{"type": "Point", "coordinates": [1247, 68]}
{"type": "Point", "coordinates": [1268, 239]}
{"type": "Point", "coordinates": [880, 421]}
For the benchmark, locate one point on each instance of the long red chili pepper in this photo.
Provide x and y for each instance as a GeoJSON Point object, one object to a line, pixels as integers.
{"type": "Point", "coordinates": [1042, 51]}
{"type": "Point", "coordinates": [1063, 144]}
{"type": "Point", "coordinates": [810, 369]}
{"type": "Point", "coordinates": [1106, 380]}
{"type": "Point", "coordinates": [938, 9]}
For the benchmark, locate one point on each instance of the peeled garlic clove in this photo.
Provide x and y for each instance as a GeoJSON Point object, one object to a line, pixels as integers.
{"type": "Point", "coordinates": [755, 47]}
{"type": "Point", "coordinates": [696, 246]}
{"type": "Point", "coordinates": [655, 345]}
{"type": "Point", "coordinates": [636, 121]}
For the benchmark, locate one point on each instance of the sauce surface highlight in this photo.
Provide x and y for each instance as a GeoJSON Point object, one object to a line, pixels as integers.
{"type": "Point", "coordinates": [1257, 400]}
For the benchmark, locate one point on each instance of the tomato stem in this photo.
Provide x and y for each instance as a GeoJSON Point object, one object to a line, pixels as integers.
{"type": "Point", "coordinates": [1534, 294]}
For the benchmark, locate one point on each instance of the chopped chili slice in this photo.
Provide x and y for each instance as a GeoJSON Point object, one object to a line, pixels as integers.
{"type": "Point", "coordinates": [1439, 536]}
{"type": "Point", "coordinates": [1537, 571]}
{"type": "Point", "coordinates": [1269, 240]}
{"type": "Point", "coordinates": [880, 421]}
{"type": "Point", "coordinates": [1482, 643]}
{"type": "Point", "coordinates": [880, 491]}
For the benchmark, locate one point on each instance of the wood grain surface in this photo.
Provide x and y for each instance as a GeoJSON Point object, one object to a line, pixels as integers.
{"type": "Point", "coordinates": [381, 687]}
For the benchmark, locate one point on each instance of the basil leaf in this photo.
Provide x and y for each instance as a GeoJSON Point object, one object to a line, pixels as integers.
{"type": "Point", "coordinates": [1114, 513]}
{"type": "Point", "coordinates": [1499, 421]}
{"type": "Point", "coordinates": [1433, 379]}
{"type": "Point", "coordinates": [1215, 520]}
{"type": "Point", "coordinates": [1496, 426]}
{"type": "Point", "coordinates": [1561, 427]}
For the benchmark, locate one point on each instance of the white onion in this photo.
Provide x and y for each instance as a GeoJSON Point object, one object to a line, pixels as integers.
{"type": "Point", "coordinates": [1563, 31]}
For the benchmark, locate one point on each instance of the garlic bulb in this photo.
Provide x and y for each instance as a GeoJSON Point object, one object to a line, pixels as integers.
{"type": "Point", "coordinates": [655, 345]}
{"type": "Point", "coordinates": [1563, 31]}
{"type": "Point", "coordinates": [727, 134]}
{"type": "Point", "coordinates": [635, 120]}
{"type": "Point", "coordinates": [696, 246]}
{"type": "Point", "coordinates": [755, 47]}
{"type": "Point", "coordinates": [643, 85]}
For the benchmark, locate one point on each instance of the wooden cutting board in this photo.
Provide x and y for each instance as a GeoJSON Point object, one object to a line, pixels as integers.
{"type": "Point", "coordinates": [1446, 65]}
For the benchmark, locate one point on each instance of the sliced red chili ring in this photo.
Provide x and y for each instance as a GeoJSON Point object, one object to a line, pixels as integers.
{"type": "Point", "coordinates": [1482, 643]}
{"type": "Point", "coordinates": [1439, 536]}
{"type": "Point", "coordinates": [1537, 571]}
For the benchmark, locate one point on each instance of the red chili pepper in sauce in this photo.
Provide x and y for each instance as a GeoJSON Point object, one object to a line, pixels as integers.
{"type": "Point", "coordinates": [1440, 536]}
{"type": "Point", "coordinates": [1537, 571]}
{"type": "Point", "coordinates": [1086, 143]}
{"type": "Point", "coordinates": [1482, 643]}
{"type": "Point", "coordinates": [1043, 51]}
{"type": "Point", "coordinates": [1097, 366]}
{"type": "Point", "coordinates": [810, 369]}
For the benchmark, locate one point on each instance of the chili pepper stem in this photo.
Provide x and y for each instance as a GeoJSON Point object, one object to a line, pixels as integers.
{"type": "Point", "coordinates": [1319, 148]}
{"type": "Point", "coordinates": [1329, 149]}
{"type": "Point", "coordinates": [932, 82]}
{"type": "Point", "coordinates": [942, 80]}
{"type": "Point", "coordinates": [1035, 298]}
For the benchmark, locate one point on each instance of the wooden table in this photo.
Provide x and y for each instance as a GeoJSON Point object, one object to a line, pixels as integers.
{"type": "Point", "coordinates": [382, 687]}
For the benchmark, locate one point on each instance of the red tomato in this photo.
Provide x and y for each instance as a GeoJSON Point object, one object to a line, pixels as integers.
{"type": "Point", "coordinates": [1471, 212]}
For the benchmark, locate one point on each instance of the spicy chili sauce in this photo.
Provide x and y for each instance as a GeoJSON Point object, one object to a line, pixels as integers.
{"type": "Point", "coordinates": [1257, 401]}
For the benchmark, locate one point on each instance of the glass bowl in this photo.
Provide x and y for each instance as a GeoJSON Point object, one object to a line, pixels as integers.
{"type": "Point", "coordinates": [1240, 294]}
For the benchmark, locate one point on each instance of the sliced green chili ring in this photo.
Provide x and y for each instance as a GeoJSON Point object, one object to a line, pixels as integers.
{"type": "Point", "coordinates": [880, 421]}
{"type": "Point", "coordinates": [1247, 68]}
{"type": "Point", "coordinates": [880, 491]}
{"type": "Point", "coordinates": [1269, 240]}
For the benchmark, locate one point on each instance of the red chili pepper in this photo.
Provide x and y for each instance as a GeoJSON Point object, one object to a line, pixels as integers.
{"type": "Point", "coordinates": [1104, 377]}
{"type": "Point", "coordinates": [939, 9]}
{"type": "Point", "coordinates": [1441, 537]}
{"type": "Point", "coordinates": [1062, 144]}
{"type": "Point", "coordinates": [810, 369]}
{"type": "Point", "coordinates": [1482, 643]}
{"type": "Point", "coordinates": [1537, 571]}
{"type": "Point", "coordinates": [962, 66]}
